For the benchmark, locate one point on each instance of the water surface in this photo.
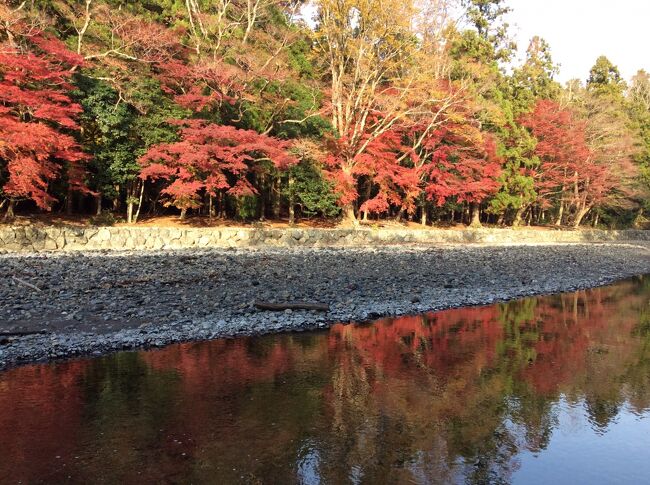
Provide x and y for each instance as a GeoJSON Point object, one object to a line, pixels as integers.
{"type": "Point", "coordinates": [543, 390]}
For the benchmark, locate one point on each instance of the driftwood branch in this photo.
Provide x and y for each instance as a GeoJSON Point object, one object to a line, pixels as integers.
{"type": "Point", "coordinates": [8, 337]}
{"type": "Point", "coordinates": [278, 307]}
{"type": "Point", "coordinates": [25, 283]}
{"type": "Point", "coordinates": [22, 334]}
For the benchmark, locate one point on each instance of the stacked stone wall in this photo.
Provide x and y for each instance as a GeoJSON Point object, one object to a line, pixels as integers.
{"type": "Point", "coordinates": [70, 238]}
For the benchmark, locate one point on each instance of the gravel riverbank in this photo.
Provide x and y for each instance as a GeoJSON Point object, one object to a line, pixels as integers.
{"type": "Point", "coordinates": [98, 302]}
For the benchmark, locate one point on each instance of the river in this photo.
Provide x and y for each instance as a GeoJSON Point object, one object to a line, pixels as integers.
{"type": "Point", "coordinates": [553, 389]}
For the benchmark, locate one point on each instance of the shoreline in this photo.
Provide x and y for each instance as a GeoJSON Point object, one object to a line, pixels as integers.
{"type": "Point", "coordinates": [95, 303]}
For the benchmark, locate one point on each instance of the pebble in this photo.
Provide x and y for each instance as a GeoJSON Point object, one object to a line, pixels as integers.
{"type": "Point", "coordinates": [97, 302]}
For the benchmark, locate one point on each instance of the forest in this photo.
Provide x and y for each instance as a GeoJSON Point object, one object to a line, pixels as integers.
{"type": "Point", "coordinates": [371, 111]}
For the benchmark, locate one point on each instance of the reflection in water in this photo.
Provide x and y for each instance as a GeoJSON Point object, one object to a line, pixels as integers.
{"type": "Point", "coordinates": [538, 390]}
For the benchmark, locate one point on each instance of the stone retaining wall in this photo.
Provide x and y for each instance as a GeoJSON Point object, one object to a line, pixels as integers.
{"type": "Point", "coordinates": [33, 238]}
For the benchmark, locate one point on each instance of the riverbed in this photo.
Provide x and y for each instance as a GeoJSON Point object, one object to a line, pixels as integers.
{"type": "Point", "coordinates": [551, 389]}
{"type": "Point", "coordinates": [92, 303]}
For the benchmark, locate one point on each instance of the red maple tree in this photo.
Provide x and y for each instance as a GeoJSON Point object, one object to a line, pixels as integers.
{"type": "Point", "coordinates": [37, 119]}
{"type": "Point", "coordinates": [561, 146]}
{"type": "Point", "coordinates": [465, 166]}
{"type": "Point", "coordinates": [211, 157]}
{"type": "Point", "coordinates": [201, 84]}
{"type": "Point", "coordinates": [457, 160]}
{"type": "Point", "coordinates": [569, 170]}
{"type": "Point", "coordinates": [379, 166]}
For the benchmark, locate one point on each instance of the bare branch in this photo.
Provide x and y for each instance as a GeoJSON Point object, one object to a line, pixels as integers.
{"type": "Point", "coordinates": [82, 31]}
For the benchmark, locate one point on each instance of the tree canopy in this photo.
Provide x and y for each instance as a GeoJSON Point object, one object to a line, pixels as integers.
{"type": "Point", "coordinates": [241, 109]}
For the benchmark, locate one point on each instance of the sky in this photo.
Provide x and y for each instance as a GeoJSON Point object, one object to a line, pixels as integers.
{"type": "Point", "coordinates": [579, 31]}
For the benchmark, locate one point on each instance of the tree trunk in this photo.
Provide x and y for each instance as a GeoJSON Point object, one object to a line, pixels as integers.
{"type": "Point", "coordinates": [277, 199]}
{"type": "Point", "coordinates": [596, 217]}
{"type": "Point", "coordinates": [249, 28]}
{"type": "Point", "coordinates": [69, 203]}
{"type": "Point", "coordinates": [292, 213]}
{"type": "Point", "coordinates": [137, 212]}
{"type": "Point", "coordinates": [424, 207]}
{"type": "Point", "coordinates": [476, 216]}
{"type": "Point", "coordinates": [292, 202]}
{"type": "Point", "coordinates": [348, 215]}
{"type": "Point", "coordinates": [222, 205]}
{"type": "Point", "coordinates": [518, 217]}
{"type": "Point", "coordinates": [81, 32]}
{"type": "Point", "coordinates": [10, 210]}
{"type": "Point", "coordinates": [116, 200]}
{"type": "Point", "coordinates": [638, 220]}
{"type": "Point", "coordinates": [560, 214]}
{"type": "Point", "coordinates": [582, 212]}
{"type": "Point", "coordinates": [183, 213]}
{"type": "Point", "coordinates": [153, 208]}
{"type": "Point", "coordinates": [130, 201]}
{"type": "Point", "coordinates": [98, 200]}
{"type": "Point", "coordinates": [129, 212]}
{"type": "Point", "coordinates": [190, 15]}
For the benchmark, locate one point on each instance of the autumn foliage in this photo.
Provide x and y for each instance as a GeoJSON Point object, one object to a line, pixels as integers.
{"type": "Point", "coordinates": [465, 165]}
{"type": "Point", "coordinates": [568, 166]}
{"type": "Point", "coordinates": [385, 110]}
{"type": "Point", "coordinates": [38, 118]}
{"type": "Point", "coordinates": [211, 158]}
